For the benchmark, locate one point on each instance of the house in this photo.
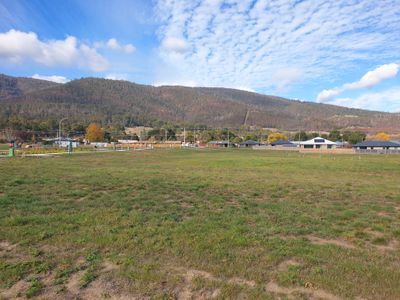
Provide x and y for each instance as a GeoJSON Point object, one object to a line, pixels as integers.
{"type": "Point", "coordinates": [318, 143]}
{"type": "Point", "coordinates": [283, 143]}
{"type": "Point", "coordinates": [250, 143]}
{"type": "Point", "coordinates": [219, 144]}
{"type": "Point", "coordinates": [377, 145]}
{"type": "Point", "coordinates": [63, 142]}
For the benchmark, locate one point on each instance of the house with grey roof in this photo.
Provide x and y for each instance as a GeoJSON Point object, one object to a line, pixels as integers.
{"type": "Point", "coordinates": [377, 145]}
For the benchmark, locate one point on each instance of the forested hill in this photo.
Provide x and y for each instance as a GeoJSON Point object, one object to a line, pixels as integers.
{"type": "Point", "coordinates": [13, 86]}
{"type": "Point", "coordinates": [111, 102]}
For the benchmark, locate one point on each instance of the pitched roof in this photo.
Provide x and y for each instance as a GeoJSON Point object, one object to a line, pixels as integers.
{"type": "Point", "coordinates": [218, 142]}
{"type": "Point", "coordinates": [377, 144]}
{"type": "Point", "coordinates": [281, 142]}
{"type": "Point", "coordinates": [318, 141]}
{"type": "Point", "coordinates": [250, 142]}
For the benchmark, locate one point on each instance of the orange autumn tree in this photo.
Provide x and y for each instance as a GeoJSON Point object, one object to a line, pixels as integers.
{"type": "Point", "coordinates": [94, 133]}
{"type": "Point", "coordinates": [382, 136]}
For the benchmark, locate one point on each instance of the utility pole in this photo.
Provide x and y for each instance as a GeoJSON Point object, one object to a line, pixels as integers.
{"type": "Point", "coordinates": [59, 130]}
{"type": "Point", "coordinates": [228, 138]}
{"type": "Point", "coordinates": [184, 135]}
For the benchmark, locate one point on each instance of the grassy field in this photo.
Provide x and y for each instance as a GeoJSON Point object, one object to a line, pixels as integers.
{"type": "Point", "coordinates": [186, 224]}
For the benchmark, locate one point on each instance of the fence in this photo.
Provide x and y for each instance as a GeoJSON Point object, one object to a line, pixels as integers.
{"type": "Point", "coordinates": [378, 151]}
{"type": "Point", "coordinates": [280, 148]}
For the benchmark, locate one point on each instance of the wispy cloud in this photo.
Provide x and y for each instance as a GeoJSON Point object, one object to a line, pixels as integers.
{"type": "Point", "coordinates": [370, 79]}
{"type": "Point", "coordinates": [274, 44]}
{"type": "Point", "coordinates": [17, 46]}
{"type": "Point", "coordinates": [54, 78]}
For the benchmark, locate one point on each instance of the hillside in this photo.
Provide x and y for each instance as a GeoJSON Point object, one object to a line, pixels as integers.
{"type": "Point", "coordinates": [13, 86]}
{"type": "Point", "coordinates": [125, 103]}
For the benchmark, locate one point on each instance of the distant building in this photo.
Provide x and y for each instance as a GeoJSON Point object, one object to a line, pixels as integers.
{"type": "Point", "coordinates": [250, 143]}
{"type": "Point", "coordinates": [63, 142]}
{"type": "Point", "coordinates": [219, 144]}
{"type": "Point", "coordinates": [128, 141]}
{"type": "Point", "coordinates": [318, 143]}
{"type": "Point", "coordinates": [377, 145]}
{"type": "Point", "coordinates": [283, 143]}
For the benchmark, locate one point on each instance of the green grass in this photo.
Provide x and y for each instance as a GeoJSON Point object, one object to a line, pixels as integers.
{"type": "Point", "coordinates": [230, 213]}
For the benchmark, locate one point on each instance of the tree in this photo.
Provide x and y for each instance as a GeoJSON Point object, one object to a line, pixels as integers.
{"type": "Point", "coordinates": [276, 137]}
{"type": "Point", "coordinates": [354, 137]}
{"type": "Point", "coordinates": [205, 136]}
{"type": "Point", "coordinates": [335, 135]}
{"type": "Point", "coordinates": [190, 137]}
{"type": "Point", "coordinates": [382, 136]}
{"type": "Point", "coordinates": [301, 136]}
{"type": "Point", "coordinates": [94, 133]}
{"type": "Point", "coordinates": [252, 137]}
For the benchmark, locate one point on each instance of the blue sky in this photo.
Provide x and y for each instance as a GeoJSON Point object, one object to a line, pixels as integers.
{"type": "Point", "coordinates": [336, 52]}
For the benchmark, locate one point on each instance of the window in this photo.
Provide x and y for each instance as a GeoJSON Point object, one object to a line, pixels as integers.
{"type": "Point", "coordinates": [319, 141]}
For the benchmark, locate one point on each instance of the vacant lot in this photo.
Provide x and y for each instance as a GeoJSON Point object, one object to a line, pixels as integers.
{"type": "Point", "coordinates": [200, 224]}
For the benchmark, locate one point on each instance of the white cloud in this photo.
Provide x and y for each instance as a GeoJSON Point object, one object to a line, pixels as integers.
{"type": "Point", "coordinates": [54, 78]}
{"type": "Point", "coordinates": [370, 79]}
{"type": "Point", "coordinates": [232, 43]}
{"type": "Point", "coordinates": [374, 77]}
{"type": "Point", "coordinates": [328, 94]}
{"type": "Point", "coordinates": [389, 99]}
{"type": "Point", "coordinates": [113, 44]}
{"type": "Point", "coordinates": [116, 76]}
{"type": "Point", "coordinates": [17, 46]}
{"type": "Point", "coordinates": [175, 45]}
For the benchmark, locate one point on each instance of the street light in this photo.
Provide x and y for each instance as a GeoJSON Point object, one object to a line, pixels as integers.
{"type": "Point", "coordinates": [59, 129]}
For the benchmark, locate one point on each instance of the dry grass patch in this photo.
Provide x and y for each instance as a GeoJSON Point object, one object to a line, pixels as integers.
{"type": "Point", "coordinates": [337, 242]}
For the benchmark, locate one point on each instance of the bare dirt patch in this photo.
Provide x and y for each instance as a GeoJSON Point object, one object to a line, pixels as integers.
{"type": "Point", "coordinates": [241, 281]}
{"type": "Point", "coordinates": [187, 290]}
{"type": "Point", "coordinates": [284, 266]}
{"type": "Point", "coordinates": [320, 241]}
{"type": "Point", "coordinates": [15, 291]}
{"type": "Point", "coordinates": [108, 266]}
{"type": "Point", "coordinates": [292, 293]}
{"type": "Point", "coordinates": [10, 252]}
{"type": "Point", "coordinates": [383, 214]}
{"type": "Point", "coordinates": [186, 205]}
{"type": "Point", "coordinates": [373, 233]}
{"type": "Point", "coordinates": [393, 245]}
{"type": "Point", "coordinates": [74, 282]}
{"type": "Point", "coordinates": [7, 247]}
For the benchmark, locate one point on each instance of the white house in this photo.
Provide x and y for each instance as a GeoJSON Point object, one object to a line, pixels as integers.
{"type": "Point", "coordinates": [63, 142]}
{"type": "Point", "coordinates": [318, 143]}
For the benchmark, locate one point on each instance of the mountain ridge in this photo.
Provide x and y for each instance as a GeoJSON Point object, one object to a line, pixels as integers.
{"type": "Point", "coordinates": [125, 103]}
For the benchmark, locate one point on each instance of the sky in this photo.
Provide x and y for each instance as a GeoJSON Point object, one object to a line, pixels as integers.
{"type": "Point", "coordinates": [336, 52]}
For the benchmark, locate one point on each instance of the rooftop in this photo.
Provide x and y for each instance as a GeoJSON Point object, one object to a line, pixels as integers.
{"type": "Point", "coordinates": [377, 144]}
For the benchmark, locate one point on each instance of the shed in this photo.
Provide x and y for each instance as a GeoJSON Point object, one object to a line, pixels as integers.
{"type": "Point", "coordinates": [219, 144]}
